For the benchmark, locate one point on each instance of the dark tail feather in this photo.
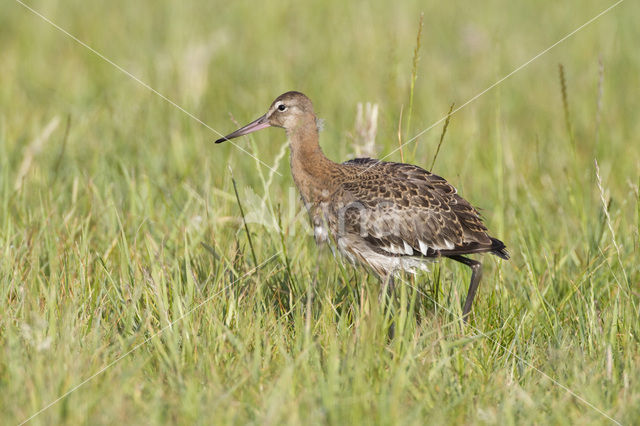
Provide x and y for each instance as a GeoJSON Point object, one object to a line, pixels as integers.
{"type": "Point", "coordinates": [499, 249]}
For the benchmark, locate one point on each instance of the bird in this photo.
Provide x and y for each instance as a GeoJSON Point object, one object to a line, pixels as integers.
{"type": "Point", "coordinates": [389, 217]}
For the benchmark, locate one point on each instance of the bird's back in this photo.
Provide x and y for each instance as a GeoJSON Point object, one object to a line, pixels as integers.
{"type": "Point", "coordinates": [398, 210]}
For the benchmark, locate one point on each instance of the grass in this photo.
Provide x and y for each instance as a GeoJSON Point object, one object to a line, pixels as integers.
{"type": "Point", "coordinates": [120, 228]}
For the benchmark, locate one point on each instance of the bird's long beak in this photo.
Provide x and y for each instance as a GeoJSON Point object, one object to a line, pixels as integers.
{"type": "Point", "coordinates": [255, 125]}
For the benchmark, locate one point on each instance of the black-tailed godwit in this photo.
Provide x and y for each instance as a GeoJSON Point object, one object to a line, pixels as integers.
{"type": "Point", "coordinates": [390, 217]}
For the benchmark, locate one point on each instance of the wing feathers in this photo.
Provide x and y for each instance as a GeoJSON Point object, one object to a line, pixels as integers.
{"type": "Point", "coordinates": [403, 210]}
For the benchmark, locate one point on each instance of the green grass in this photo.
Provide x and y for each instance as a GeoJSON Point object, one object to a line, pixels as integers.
{"type": "Point", "coordinates": [118, 215]}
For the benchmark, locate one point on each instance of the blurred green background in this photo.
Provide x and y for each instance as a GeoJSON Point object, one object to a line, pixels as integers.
{"type": "Point", "coordinates": [107, 192]}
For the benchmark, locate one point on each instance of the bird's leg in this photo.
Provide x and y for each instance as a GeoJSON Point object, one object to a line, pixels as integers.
{"type": "Point", "coordinates": [476, 273]}
{"type": "Point", "coordinates": [389, 282]}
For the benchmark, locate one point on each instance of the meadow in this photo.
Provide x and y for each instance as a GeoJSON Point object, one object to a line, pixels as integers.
{"type": "Point", "coordinates": [132, 291]}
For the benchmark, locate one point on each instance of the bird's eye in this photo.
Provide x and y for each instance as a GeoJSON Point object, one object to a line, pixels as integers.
{"type": "Point", "coordinates": [282, 107]}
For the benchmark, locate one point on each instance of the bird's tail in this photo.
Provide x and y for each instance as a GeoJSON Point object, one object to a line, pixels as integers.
{"type": "Point", "coordinates": [499, 249]}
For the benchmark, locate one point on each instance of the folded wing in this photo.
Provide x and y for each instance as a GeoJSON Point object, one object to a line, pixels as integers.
{"type": "Point", "coordinates": [404, 210]}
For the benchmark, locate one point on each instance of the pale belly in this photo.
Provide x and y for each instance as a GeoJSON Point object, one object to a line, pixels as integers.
{"type": "Point", "coordinates": [358, 252]}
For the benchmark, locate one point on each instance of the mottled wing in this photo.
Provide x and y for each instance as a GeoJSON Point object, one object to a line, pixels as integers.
{"type": "Point", "coordinates": [403, 210]}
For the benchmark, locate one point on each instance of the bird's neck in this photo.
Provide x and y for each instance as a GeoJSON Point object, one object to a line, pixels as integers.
{"type": "Point", "coordinates": [311, 169]}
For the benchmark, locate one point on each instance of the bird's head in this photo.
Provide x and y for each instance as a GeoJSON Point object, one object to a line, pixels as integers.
{"type": "Point", "coordinates": [288, 111]}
